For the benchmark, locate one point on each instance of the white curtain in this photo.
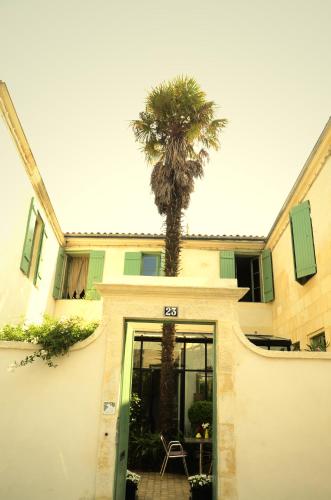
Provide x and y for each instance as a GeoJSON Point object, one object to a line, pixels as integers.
{"type": "Point", "coordinates": [77, 276]}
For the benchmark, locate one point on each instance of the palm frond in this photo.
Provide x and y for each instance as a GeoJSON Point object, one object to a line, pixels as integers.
{"type": "Point", "coordinates": [176, 122]}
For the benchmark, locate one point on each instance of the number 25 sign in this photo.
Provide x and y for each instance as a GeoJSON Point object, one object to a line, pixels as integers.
{"type": "Point", "coordinates": [170, 311]}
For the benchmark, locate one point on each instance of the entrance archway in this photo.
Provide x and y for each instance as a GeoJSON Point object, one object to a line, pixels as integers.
{"type": "Point", "coordinates": [128, 299]}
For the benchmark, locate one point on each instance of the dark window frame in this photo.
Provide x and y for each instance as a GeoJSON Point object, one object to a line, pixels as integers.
{"type": "Point", "coordinates": [181, 371]}
{"type": "Point", "coordinates": [255, 291]}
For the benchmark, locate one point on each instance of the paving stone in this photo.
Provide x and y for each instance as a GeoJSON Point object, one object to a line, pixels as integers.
{"type": "Point", "coordinates": [153, 487]}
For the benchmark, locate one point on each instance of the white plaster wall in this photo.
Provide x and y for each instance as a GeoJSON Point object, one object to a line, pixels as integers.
{"type": "Point", "coordinates": [195, 263]}
{"type": "Point", "coordinates": [255, 317]}
{"type": "Point", "coordinates": [49, 424]}
{"type": "Point", "coordinates": [301, 310]}
{"type": "Point", "coordinates": [282, 424]}
{"type": "Point", "coordinates": [89, 310]}
{"type": "Point", "coordinates": [19, 298]}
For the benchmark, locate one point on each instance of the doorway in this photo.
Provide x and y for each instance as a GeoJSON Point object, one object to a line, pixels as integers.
{"type": "Point", "coordinates": [194, 363]}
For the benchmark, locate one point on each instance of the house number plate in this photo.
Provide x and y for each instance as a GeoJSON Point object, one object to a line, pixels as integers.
{"type": "Point", "coordinates": [171, 311]}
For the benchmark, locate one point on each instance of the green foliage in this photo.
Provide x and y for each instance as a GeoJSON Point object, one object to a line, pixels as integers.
{"type": "Point", "coordinates": [145, 448]}
{"type": "Point", "coordinates": [200, 412]}
{"type": "Point", "coordinates": [175, 130]}
{"type": "Point", "coordinates": [135, 413]}
{"type": "Point", "coordinates": [177, 111]}
{"type": "Point", "coordinates": [145, 451]}
{"type": "Point", "coordinates": [320, 346]}
{"type": "Point", "coordinates": [54, 338]}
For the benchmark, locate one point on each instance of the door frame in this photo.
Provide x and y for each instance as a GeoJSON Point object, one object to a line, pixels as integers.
{"type": "Point", "coordinates": [122, 426]}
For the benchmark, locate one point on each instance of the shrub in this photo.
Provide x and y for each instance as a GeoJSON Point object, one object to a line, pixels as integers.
{"type": "Point", "coordinates": [145, 451]}
{"type": "Point", "coordinates": [200, 412]}
{"type": "Point", "coordinates": [135, 413]}
{"type": "Point", "coordinates": [54, 337]}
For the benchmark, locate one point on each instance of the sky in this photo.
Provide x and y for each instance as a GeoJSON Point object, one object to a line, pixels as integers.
{"type": "Point", "coordinates": [78, 71]}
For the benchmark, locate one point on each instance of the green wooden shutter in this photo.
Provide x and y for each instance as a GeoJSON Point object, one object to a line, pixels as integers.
{"type": "Point", "coordinates": [40, 256]}
{"type": "Point", "coordinates": [28, 240]}
{"type": "Point", "coordinates": [132, 263]}
{"type": "Point", "coordinates": [227, 264]}
{"type": "Point", "coordinates": [95, 273]}
{"type": "Point", "coordinates": [267, 276]}
{"type": "Point", "coordinates": [303, 242]}
{"type": "Point", "coordinates": [57, 290]}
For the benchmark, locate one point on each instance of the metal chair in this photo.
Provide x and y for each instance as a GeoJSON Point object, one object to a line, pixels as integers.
{"type": "Point", "coordinates": [173, 449]}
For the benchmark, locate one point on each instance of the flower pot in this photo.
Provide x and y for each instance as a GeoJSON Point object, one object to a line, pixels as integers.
{"type": "Point", "coordinates": [130, 490]}
{"type": "Point", "coordinates": [202, 492]}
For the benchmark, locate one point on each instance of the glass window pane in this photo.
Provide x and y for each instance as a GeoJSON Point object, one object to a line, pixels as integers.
{"type": "Point", "coordinates": [151, 354]}
{"type": "Point", "coordinates": [150, 265]}
{"type": "Point", "coordinates": [135, 381]}
{"type": "Point", "coordinates": [190, 397]}
{"type": "Point", "coordinates": [318, 341]}
{"type": "Point", "coordinates": [195, 356]}
{"type": "Point", "coordinates": [136, 354]}
{"type": "Point", "coordinates": [179, 354]}
{"type": "Point", "coordinates": [195, 390]}
{"type": "Point", "coordinates": [209, 387]}
{"type": "Point", "coordinates": [210, 356]}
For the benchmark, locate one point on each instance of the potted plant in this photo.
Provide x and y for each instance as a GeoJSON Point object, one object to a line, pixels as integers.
{"type": "Point", "coordinates": [132, 481]}
{"type": "Point", "coordinates": [200, 415]}
{"type": "Point", "coordinates": [201, 487]}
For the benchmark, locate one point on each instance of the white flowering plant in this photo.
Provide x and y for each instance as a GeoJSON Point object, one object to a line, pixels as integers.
{"type": "Point", "coordinates": [200, 481]}
{"type": "Point", "coordinates": [132, 476]}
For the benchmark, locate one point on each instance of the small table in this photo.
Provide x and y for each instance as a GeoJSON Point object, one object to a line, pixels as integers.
{"type": "Point", "coordinates": [201, 442]}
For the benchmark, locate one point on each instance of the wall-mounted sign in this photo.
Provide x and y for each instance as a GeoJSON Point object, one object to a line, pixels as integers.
{"type": "Point", "coordinates": [108, 408]}
{"type": "Point", "coordinates": [171, 311]}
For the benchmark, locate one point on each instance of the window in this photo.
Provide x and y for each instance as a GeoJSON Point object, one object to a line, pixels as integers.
{"type": "Point", "coordinates": [303, 243]}
{"type": "Point", "coordinates": [248, 275]}
{"type": "Point", "coordinates": [143, 263]}
{"type": "Point", "coordinates": [75, 278]}
{"type": "Point", "coordinates": [150, 264]}
{"type": "Point", "coordinates": [76, 274]}
{"type": "Point", "coordinates": [318, 342]}
{"type": "Point", "coordinates": [193, 376]}
{"type": "Point", "coordinates": [252, 271]}
{"type": "Point", "coordinates": [32, 255]}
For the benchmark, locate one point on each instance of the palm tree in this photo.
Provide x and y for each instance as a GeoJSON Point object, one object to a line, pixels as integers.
{"type": "Point", "coordinates": [176, 129]}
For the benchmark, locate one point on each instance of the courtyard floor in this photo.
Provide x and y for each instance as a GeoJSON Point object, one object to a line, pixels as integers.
{"type": "Point", "coordinates": [171, 486]}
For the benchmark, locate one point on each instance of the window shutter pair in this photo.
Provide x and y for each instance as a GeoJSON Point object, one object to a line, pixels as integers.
{"type": "Point", "coordinates": [133, 263]}
{"type": "Point", "coordinates": [28, 240]}
{"type": "Point", "coordinates": [95, 273]}
{"type": "Point", "coordinates": [29, 243]}
{"type": "Point", "coordinates": [228, 270]}
{"type": "Point", "coordinates": [303, 242]}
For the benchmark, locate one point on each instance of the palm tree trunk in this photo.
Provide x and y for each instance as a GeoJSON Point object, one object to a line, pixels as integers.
{"type": "Point", "coordinates": [167, 383]}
